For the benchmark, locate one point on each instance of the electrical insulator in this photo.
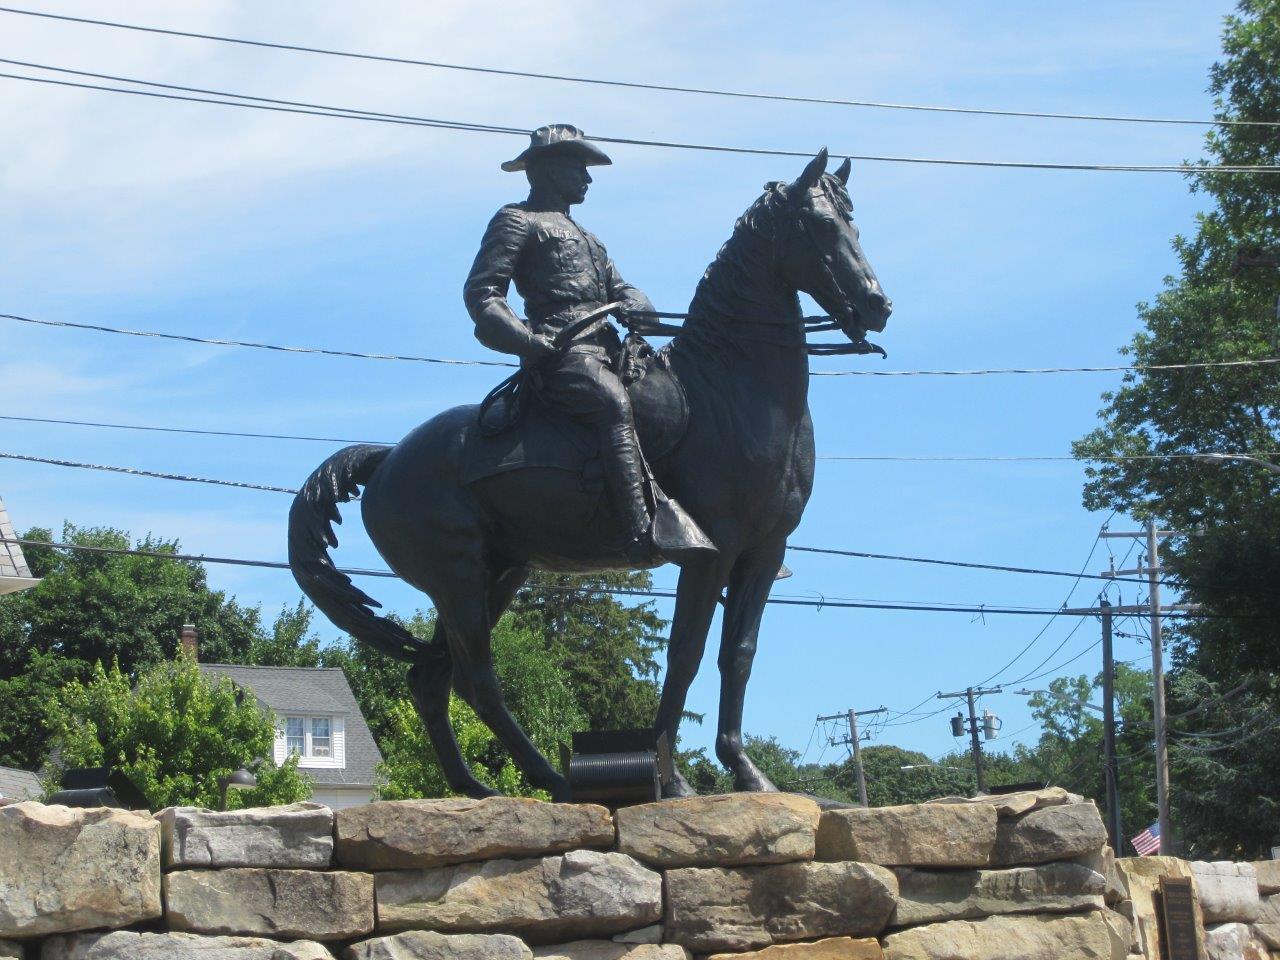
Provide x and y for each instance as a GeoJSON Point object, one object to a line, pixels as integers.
{"type": "Point", "coordinates": [990, 725]}
{"type": "Point", "coordinates": [957, 725]}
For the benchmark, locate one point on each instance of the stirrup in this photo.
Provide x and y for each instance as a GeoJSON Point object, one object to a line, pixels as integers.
{"type": "Point", "coordinates": [676, 535]}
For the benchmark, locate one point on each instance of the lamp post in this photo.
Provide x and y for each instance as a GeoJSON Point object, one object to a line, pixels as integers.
{"type": "Point", "coordinates": [242, 779]}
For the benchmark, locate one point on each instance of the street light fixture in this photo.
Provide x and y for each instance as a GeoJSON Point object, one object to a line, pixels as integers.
{"type": "Point", "coordinates": [242, 779]}
{"type": "Point", "coordinates": [1084, 703]}
{"type": "Point", "coordinates": [1240, 457]}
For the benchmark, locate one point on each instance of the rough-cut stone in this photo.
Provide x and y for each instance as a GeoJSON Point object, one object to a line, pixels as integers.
{"type": "Point", "coordinates": [1140, 878]}
{"type": "Point", "coordinates": [64, 869]}
{"type": "Point", "coordinates": [931, 896]}
{"type": "Point", "coordinates": [1228, 892]}
{"type": "Point", "coordinates": [1268, 872]}
{"type": "Point", "coordinates": [728, 830]}
{"type": "Point", "coordinates": [649, 934]}
{"type": "Point", "coordinates": [10, 950]}
{"type": "Point", "coordinates": [428, 945]}
{"type": "Point", "coordinates": [743, 908]}
{"type": "Point", "coordinates": [919, 835]}
{"type": "Point", "coordinates": [1049, 833]}
{"type": "Point", "coordinates": [1084, 937]}
{"type": "Point", "coordinates": [585, 893]}
{"type": "Point", "coordinates": [1267, 925]}
{"type": "Point", "coordinates": [609, 950]}
{"type": "Point", "coordinates": [405, 834]}
{"type": "Point", "coordinates": [251, 901]}
{"type": "Point", "coordinates": [1121, 931]}
{"type": "Point", "coordinates": [1234, 941]}
{"type": "Point", "coordinates": [833, 948]}
{"type": "Point", "coordinates": [1014, 804]}
{"type": "Point", "coordinates": [126, 945]}
{"type": "Point", "coordinates": [299, 836]}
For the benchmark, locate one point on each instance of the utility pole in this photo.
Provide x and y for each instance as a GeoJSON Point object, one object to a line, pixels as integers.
{"type": "Point", "coordinates": [1154, 610]}
{"type": "Point", "coordinates": [1110, 772]}
{"type": "Point", "coordinates": [854, 742]}
{"type": "Point", "coordinates": [970, 694]}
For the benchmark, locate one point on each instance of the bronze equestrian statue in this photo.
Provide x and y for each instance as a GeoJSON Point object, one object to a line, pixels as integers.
{"type": "Point", "coordinates": [549, 476]}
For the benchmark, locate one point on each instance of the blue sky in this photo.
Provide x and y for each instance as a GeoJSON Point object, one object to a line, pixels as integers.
{"type": "Point", "coordinates": [219, 222]}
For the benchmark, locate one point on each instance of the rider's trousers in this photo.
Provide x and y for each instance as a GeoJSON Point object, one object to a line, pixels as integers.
{"type": "Point", "coordinates": [584, 386]}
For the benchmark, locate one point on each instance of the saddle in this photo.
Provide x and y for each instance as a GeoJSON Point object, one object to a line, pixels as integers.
{"type": "Point", "coordinates": [539, 436]}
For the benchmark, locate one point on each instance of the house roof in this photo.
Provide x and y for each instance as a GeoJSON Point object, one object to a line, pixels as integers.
{"type": "Point", "coordinates": [19, 784]}
{"type": "Point", "coordinates": [322, 690]}
{"type": "Point", "coordinates": [14, 572]}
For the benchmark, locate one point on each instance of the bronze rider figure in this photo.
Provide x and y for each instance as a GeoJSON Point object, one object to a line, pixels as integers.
{"type": "Point", "coordinates": [563, 273]}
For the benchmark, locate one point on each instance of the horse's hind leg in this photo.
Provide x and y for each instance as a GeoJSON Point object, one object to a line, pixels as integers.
{"type": "Point", "coordinates": [430, 680]}
{"type": "Point", "coordinates": [468, 618]}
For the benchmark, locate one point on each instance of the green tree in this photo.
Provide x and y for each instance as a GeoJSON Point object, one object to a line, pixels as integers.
{"type": "Point", "coordinates": [608, 648]}
{"type": "Point", "coordinates": [101, 608]}
{"type": "Point", "coordinates": [1069, 753]}
{"type": "Point", "coordinates": [1210, 312]}
{"type": "Point", "coordinates": [173, 733]}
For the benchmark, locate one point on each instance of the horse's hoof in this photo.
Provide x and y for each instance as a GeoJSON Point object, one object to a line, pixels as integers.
{"type": "Point", "coordinates": [751, 780]}
{"type": "Point", "coordinates": [478, 791]}
{"type": "Point", "coordinates": [676, 788]}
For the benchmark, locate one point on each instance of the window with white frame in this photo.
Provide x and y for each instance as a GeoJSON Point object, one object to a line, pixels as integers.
{"type": "Point", "coordinates": [309, 737]}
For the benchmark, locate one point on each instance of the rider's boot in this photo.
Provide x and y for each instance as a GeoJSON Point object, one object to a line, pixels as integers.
{"type": "Point", "coordinates": [625, 478]}
{"type": "Point", "coordinates": [672, 534]}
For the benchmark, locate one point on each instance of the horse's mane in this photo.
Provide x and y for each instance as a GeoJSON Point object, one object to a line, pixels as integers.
{"type": "Point", "coordinates": [752, 245]}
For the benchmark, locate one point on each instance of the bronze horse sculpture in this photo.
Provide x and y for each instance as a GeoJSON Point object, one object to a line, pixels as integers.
{"type": "Point", "coordinates": [723, 416]}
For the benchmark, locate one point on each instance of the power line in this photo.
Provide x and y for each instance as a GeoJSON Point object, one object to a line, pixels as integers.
{"type": "Point", "coordinates": [620, 591]}
{"type": "Point", "coordinates": [144, 473]}
{"type": "Point", "coordinates": [214, 341]}
{"type": "Point", "coordinates": [187, 430]}
{"type": "Point", "coordinates": [1044, 629]}
{"type": "Point", "coordinates": [912, 459]}
{"type": "Point", "coordinates": [634, 85]}
{"type": "Point", "coordinates": [250, 102]}
{"type": "Point", "coordinates": [1001, 568]}
{"type": "Point", "coordinates": [658, 594]}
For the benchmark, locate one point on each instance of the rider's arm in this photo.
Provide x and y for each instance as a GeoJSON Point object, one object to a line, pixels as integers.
{"type": "Point", "coordinates": [485, 293]}
{"type": "Point", "coordinates": [633, 300]}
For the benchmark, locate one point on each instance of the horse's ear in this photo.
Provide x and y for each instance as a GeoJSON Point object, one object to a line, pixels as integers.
{"type": "Point", "coordinates": [809, 179]}
{"type": "Point", "coordinates": [842, 172]}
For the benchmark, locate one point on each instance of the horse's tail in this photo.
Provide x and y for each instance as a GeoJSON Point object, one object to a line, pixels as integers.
{"type": "Point", "coordinates": [311, 519]}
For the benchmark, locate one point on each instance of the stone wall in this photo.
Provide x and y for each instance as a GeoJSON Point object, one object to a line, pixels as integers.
{"type": "Point", "coordinates": [1021, 877]}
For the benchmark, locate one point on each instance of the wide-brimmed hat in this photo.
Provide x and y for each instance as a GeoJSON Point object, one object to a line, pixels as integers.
{"type": "Point", "coordinates": [562, 138]}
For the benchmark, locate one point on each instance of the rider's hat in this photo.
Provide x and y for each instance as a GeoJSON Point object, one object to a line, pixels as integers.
{"type": "Point", "coordinates": [559, 138]}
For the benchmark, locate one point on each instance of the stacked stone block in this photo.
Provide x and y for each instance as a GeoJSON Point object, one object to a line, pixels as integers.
{"type": "Point", "coordinates": [772, 877]}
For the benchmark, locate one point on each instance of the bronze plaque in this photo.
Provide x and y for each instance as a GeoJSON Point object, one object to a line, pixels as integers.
{"type": "Point", "coordinates": [1178, 911]}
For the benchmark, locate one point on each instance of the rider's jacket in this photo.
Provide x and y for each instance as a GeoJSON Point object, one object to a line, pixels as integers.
{"type": "Point", "coordinates": [561, 270]}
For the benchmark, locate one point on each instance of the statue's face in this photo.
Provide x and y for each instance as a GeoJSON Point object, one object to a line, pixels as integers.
{"type": "Point", "coordinates": [565, 177]}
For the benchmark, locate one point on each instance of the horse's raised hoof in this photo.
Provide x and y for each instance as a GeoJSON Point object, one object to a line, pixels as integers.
{"type": "Point", "coordinates": [677, 787]}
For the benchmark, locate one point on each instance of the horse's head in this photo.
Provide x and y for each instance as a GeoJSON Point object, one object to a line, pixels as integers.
{"type": "Point", "coordinates": [820, 253]}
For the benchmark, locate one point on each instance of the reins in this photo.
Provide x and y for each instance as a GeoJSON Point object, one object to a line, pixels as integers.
{"type": "Point", "coordinates": [652, 324]}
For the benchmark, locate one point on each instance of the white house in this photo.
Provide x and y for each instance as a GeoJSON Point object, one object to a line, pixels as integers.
{"type": "Point", "coordinates": [318, 719]}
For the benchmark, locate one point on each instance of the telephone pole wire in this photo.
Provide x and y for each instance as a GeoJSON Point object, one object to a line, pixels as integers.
{"type": "Point", "coordinates": [854, 742]}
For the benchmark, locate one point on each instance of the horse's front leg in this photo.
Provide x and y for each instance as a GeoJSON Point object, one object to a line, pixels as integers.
{"type": "Point", "coordinates": [749, 585]}
{"type": "Point", "coordinates": [696, 596]}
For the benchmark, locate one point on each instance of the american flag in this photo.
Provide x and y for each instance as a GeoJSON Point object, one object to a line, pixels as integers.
{"type": "Point", "coordinates": [1148, 841]}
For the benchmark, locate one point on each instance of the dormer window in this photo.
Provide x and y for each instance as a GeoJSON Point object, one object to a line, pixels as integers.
{"type": "Point", "coordinates": [309, 738]}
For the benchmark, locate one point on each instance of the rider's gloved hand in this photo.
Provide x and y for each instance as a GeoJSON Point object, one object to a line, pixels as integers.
{"type": "Point", "coordinates": [538, 347]}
